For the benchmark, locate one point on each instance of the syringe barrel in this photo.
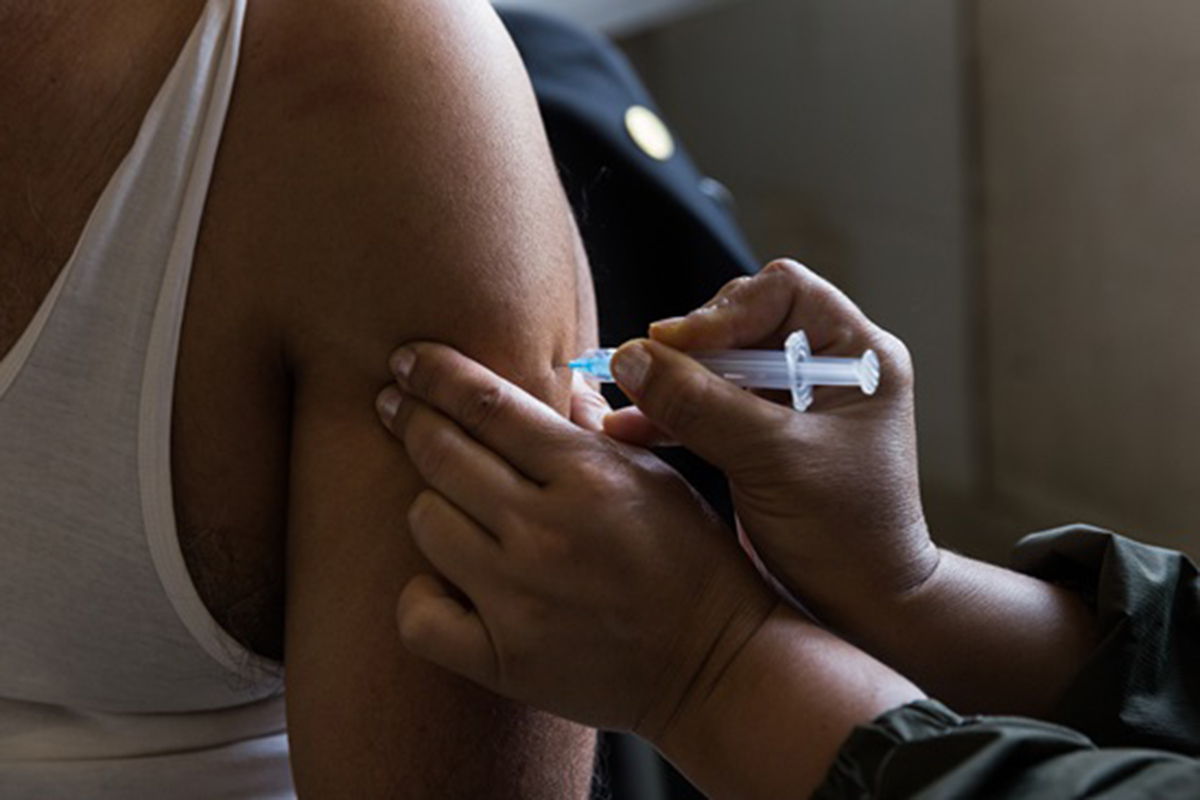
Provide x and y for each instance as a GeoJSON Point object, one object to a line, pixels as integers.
{"type": "Point", "coordinates": [830, 371]}
{"type": "Point", "coordinates": [760, 369]}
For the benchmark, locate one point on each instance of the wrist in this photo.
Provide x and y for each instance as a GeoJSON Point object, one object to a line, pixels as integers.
{"type": "Point", "coordinates": [773, 719]}
{"type": "Point", "coordinates": [688, 680]}
{"type": "Point", "coordinates": [709, 690]}
{"type": "Point", "coordinates": [881, 619]}
{"type": "Point", "coordinates": [854, 597]}
{"type": "Point", "coordinates": [950, 632]}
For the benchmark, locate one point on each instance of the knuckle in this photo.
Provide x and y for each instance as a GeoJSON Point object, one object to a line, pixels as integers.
{"type": "Point", "coordinates": [895, 357]}
{"type": "Point", "coordinates": [785, 267]}
{"type": "Point", "coordinates": [736, 285]}
{"type": "Point", "coordinates": [789, 277]}
{"type": "Point", "coordinates": [481, 406]}
{"type": "Point", "coordinates": [724, 295]}
{"type": "Point", "coordinates": [729, 291]}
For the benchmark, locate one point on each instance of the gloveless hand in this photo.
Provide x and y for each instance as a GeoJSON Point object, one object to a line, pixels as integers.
{"type": "Point", "coordinates": [829, 498]}
{"type": "Point", "coordinates": [574, 573]}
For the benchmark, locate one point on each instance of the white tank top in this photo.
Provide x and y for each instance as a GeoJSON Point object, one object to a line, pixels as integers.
{"type": "Point", "coordinates": [115, 681]}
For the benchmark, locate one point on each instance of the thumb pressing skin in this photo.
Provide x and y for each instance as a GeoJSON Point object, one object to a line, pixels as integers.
{"type": "Point", "coordinates": [713, 418]}
{"type": "Point", "coordinates": [588, 406]}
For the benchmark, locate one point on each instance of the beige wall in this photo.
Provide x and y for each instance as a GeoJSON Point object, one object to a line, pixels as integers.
{"type": "Point", "coordinates": [1091, 112]}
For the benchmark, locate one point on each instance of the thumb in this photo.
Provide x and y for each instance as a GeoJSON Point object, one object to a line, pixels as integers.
{"type": "Point", "coordinates": [588, 406]}
{"type": "Point", "coordinates": [718, 421]}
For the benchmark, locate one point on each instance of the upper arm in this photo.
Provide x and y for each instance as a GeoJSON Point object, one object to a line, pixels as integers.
{"type": "Point", "coordinates": [399, 186]}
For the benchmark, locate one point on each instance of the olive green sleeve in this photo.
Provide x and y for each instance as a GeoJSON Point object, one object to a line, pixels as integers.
{"type": "Point", "coordinates": [1129, 725]}
{"type": "Point", "coordinates": [1142, 686]}
{"type": "Point", "coordinates": [924, 751]}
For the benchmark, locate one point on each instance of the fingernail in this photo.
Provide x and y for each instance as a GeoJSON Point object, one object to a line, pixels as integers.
{"type": "Point", "coordinates": [666, 326]}
{"type": "Point", "coordinates": [629, 367]}
{"type": "Point", "coordinates": [402, 362]}
{"type": "Point", "coordinates": [388, 403]}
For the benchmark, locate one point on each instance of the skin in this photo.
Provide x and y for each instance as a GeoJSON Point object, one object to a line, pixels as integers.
{"type": "Point", "coordinates": [566, 551]}
{"type": "Point", "coordinates": [639, 615]}
{"type": "Point", "coordinates": [382, 176]}
{"type": "Point", "coordinates": [831, 500]}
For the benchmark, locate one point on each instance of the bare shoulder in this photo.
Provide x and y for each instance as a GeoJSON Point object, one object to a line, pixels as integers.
{"type": "Point", "coordinates": [375, 57]}
{"type": "Point", "coordinates": [337, 38]}
{"type": "Point", "coordinates": [387, 150]}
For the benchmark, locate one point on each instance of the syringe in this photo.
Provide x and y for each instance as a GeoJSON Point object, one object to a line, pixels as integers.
{"type": "Point", "coordinates": [794, 368]}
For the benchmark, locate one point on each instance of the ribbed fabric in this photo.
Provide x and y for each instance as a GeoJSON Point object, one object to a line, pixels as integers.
{"type": "Point", "coordinates": [115, 681]}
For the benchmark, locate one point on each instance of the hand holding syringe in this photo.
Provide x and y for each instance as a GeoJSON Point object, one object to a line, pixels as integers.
{"type": "Point", "coordinates": [793, 368]}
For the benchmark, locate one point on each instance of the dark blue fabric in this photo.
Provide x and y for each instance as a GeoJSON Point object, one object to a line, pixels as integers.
{"type": "Point", "coordinates": [581, 78]}
{"type": "Point", "coordinates": [658, 244]}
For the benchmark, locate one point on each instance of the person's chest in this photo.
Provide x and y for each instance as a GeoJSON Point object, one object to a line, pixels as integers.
{"type": "Point", "coordinates": [230, 447]}
{"type": "Point", "coordinates": [230, 418]}
{"type": "Point", "coordinates": [230, 434]}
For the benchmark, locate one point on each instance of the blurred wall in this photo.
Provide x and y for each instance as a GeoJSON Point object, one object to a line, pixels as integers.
{"type": "Point", "coordinates": [1014, 188]}
{"type": "Point", "coordinates": [1091, 132]}
{"type": "Point", "coordinates": [839, 126]}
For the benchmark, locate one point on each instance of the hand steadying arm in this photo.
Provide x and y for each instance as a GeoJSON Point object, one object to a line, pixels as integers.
{"type": "Point", "coordinates": [602, 588]}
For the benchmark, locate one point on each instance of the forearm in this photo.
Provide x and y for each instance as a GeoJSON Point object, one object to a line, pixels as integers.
{"type": "Point", "coordinates": [982, 638]}
{"type": "Point", "coordinates": [772, 722]}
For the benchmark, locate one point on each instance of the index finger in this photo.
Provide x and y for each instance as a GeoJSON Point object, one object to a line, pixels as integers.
{"type": "Point", "coordinates": [761, 311]}
{"type": "Point", "coordinates": [521, 429]}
